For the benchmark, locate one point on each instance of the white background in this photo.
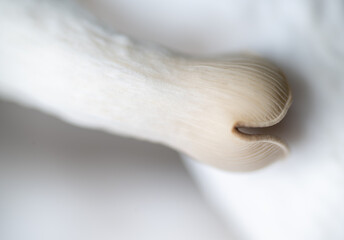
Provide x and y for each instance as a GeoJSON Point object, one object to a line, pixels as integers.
{"type": "Point", "coordinates": [62, 182]}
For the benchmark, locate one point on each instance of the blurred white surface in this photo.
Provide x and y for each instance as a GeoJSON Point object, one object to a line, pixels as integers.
{"type": "Point", "coordinates": [299, 198]}
{"type": "Point", "coordinates": [62, 182]}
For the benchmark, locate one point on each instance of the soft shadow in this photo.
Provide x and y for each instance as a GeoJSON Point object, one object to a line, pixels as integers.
{"type": "Point", "coordinates": [292, 127]}
{"type": "Point", "coordinates": [40, 155]}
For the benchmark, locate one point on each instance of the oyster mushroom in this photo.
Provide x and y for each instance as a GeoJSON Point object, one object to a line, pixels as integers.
{"type": "Point", "coordinates": [57, 58]}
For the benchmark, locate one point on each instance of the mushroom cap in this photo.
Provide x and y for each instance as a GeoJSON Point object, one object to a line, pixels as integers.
{"type": "Point", "coordinates": [233, 93]}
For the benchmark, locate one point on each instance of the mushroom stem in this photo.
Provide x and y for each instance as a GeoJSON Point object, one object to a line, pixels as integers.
{"type": "Point", "coordinates": [57, 58]}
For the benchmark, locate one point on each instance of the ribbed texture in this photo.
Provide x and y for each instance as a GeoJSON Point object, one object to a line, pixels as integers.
{"type": "Point", "coordinates": [250, 93]}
